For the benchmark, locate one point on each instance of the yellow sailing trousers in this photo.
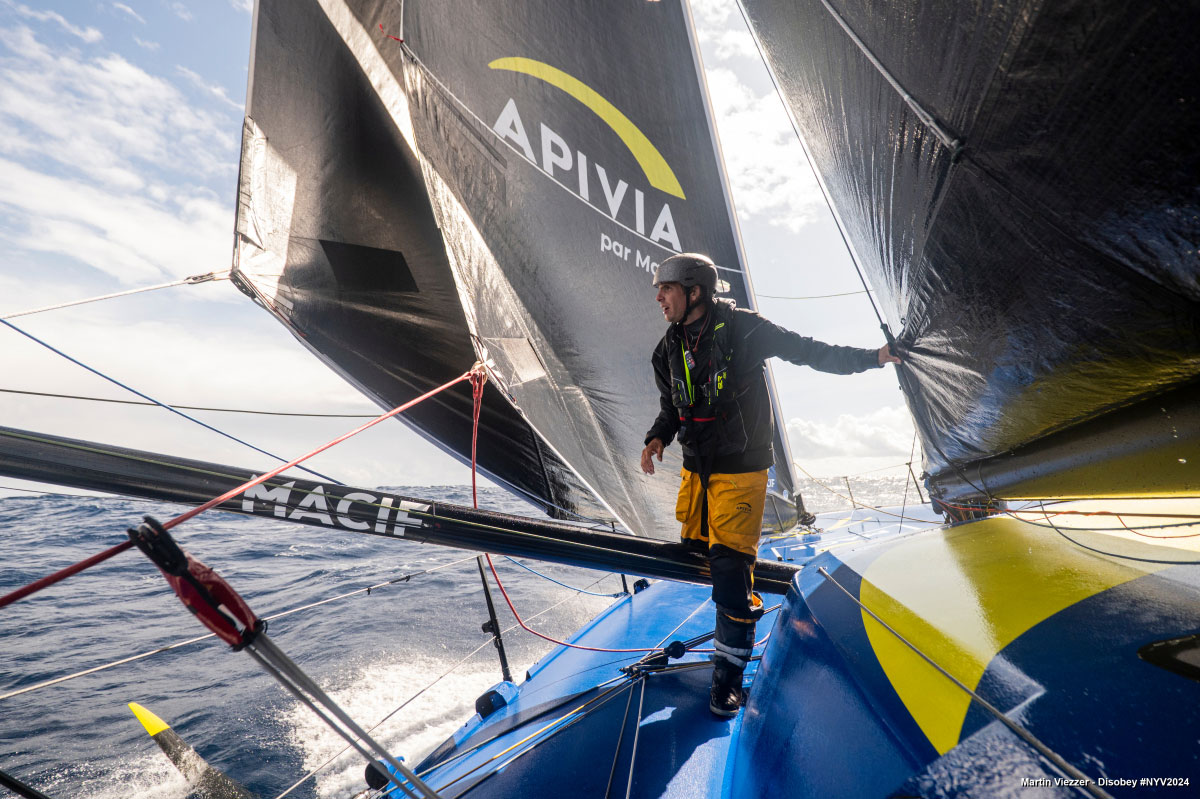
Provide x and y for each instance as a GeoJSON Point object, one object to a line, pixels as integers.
{"type": "Point", "coordinates": [735, 509]}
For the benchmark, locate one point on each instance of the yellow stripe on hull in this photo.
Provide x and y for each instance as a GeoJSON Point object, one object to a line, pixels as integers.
{"type": "Point", "coordinates": [962, 596]}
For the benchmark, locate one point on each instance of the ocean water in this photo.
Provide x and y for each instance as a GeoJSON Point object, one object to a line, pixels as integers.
{"type": "Point", "coordinates": [373, 652]}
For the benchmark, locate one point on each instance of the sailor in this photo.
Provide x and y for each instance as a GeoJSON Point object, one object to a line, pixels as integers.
{"type": "Point", "coordinates": [714, 399]}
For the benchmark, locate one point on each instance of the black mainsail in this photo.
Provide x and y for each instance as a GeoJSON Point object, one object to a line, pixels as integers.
{"type": "Point", "coordinates": [1021, 183]}
{"type": "Point", "coordinates": [500, 185]}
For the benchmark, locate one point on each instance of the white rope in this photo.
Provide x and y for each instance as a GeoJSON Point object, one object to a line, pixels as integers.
{"type": "Point", "coordinates": [193, 280]}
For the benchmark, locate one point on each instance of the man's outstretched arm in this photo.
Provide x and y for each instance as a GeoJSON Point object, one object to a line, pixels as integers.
{"type": "Point", "coordinates": [766, 339]}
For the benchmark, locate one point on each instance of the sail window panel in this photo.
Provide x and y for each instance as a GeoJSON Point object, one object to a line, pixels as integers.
{"type": "Point", "coordinates": [338, 236]}
{"type": "Point", "coordinates": [360, 268]}
{"type": "Point", "coordinates": [516, 359]}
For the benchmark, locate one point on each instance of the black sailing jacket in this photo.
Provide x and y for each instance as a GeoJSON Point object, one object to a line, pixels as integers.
{"type": "Point", "coordinates": [752, 340]}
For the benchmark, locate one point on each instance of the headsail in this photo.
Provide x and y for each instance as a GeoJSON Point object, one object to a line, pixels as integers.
{"type": "Point", "coordinates": [1019, 181]}
{"type": "Point", "coordinates": [502, 185]}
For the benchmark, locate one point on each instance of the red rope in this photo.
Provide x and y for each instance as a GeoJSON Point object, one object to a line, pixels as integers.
{"type": "Point", "coordinates": [529, 629]}
{"type": "Point", "coordinates": [58, 576]}
{"type": "Point", "coordinates": [51, 579]}
{"type": "Point", "coordinates": [478, 378]}
{"type": "Point", "coordinates": [212, 503]}
{"type": "Point", "coordinates": [390, 36]}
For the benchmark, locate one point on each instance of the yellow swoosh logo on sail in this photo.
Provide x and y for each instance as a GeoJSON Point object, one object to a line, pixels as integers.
{"type": "Point", "coordinates": [658, 172]}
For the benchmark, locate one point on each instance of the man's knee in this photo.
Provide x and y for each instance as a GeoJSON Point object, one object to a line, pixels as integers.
{"type": "Point", "coordinates": [732, 579]}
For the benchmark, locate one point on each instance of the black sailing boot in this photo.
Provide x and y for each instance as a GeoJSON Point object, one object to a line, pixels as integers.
{"type": "Point", "coordinates": [726, 695]}
{"type": "Point", "coordinates": [734, 642]}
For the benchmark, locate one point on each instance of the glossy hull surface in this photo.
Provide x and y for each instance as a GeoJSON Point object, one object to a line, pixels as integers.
{"type": "Point", "coordinates": [1049, 634]}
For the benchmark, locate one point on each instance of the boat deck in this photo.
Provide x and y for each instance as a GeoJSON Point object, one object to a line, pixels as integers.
{"type": "Point", "coordinates": [653, 736]}
{"type": "Point", "coordinates": [1071, 651]}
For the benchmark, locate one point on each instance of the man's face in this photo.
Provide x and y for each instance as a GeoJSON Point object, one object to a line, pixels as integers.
{"type": "Point", "coordinates": [672, 300]}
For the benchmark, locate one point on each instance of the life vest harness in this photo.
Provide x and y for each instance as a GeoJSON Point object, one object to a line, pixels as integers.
{"type": "Point", "coordinates": [704, 405]}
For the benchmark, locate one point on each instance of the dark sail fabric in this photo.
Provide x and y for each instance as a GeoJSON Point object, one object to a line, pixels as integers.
{"type": "Point", "coordinates": [1021, 183]}
{"type": "Point", "coordinates": [500, 185]}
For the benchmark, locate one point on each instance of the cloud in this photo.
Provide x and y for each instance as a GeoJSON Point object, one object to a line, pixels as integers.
{"type": "Point", "coordinates": [243, 5]}
{"type": "Point", "coordinates": [192, 364]}
{"type": "Point", "coordinates": [887, 432]}
{"type": "Point", "coordinates": [732, 44]}
{"type": "Point", "coordinates": [712, 14]}
{"type": "Point", "coordinates": [108, 164]}
{"type": "Point", "coordinates": [126, 235]}
{"type": "Point", "coordinates": [769, 175]}
{"type": "Point", "coordinates": [126, 9]}
{"type": "Point", "coordinates": [722, 32]}
{"type": "Point", "coordinates": [87, 34]}
{"type": "Point", "coordinates": [105, 117]}
{"type": "Point", "coordinates": [145, 44]}
{"type": "Point", "coordinates": [182, 11]}
{"type": "Point", "coordinates": [216, 91]}
{"type": "Point", "coordinates": [767, 169]}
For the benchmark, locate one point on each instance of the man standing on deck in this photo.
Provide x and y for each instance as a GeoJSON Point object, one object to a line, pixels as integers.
{"type": "Point", "coordinates": [713, 397]}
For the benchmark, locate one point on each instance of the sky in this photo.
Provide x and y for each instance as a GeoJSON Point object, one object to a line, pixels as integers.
{"type": "Point", "coordinates": [120, 126]}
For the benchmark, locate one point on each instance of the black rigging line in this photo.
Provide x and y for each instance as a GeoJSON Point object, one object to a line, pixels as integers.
{"type": "Point", "coordinates": [813, 297]}
{"type": "Point", "coordinates": [1099, 551]}
{"type": "Point", "coordinates": [189, 407]}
